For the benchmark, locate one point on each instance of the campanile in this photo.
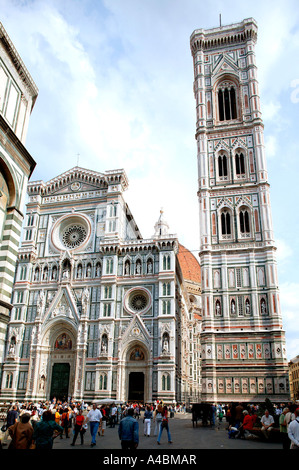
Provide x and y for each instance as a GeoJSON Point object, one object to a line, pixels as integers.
{"type": "Point", "coordinates": [243, 344]}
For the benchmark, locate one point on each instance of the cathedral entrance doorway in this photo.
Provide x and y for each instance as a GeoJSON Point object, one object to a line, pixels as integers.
{"type": "Point", "coordinates": [60, 381]}
{"type": "Point", "coordinates": [136, 387]}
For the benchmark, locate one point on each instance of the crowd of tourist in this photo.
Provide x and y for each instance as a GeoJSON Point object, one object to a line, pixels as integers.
{"type": "Point", "coordinates": [36, 425]}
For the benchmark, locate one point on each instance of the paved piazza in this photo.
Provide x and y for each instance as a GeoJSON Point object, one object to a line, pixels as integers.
{"type": "Point", "coordinates": [183, 435]}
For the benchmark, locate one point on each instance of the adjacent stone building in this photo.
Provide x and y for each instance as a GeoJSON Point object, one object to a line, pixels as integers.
{"type": "Point", "coordinates": [18, 93]}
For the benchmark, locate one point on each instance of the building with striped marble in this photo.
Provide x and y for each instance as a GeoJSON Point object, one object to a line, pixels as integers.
{"type": "Point", "coordinates": [242, 339]}
{"type": "Point", "coordinates": [100, 312]}
{"type": "Point", "coordinates": [18, 93]}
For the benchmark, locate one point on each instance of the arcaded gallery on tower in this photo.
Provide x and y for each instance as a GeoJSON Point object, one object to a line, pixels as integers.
{"type": "Point", "coordinates": [99, 312]}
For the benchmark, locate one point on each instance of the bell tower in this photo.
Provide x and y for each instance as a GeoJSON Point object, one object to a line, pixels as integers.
{"type": "Point", "coordinates": [243, 344]}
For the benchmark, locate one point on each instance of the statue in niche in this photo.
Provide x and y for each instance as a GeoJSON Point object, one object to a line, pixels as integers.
{"type": "Point", "coordinates": [45, 274]}
{"type": "Point", "coordinates": [63, 342]}
{"type": "Point", "coordinates": [218, 308]}
{"type": "Point", "coordinates": [54, 273]}
{"type": "Point", "coordinates": [85, 300]}
{"type": "Point", "coordinates": [79, 272]}
{"type": "Point", "coordinates": [247, 307]}
{"type": "Point", "coordinates": [165, 346]}
{"type": "Point", "coordinates": [104, 344]}
{"type": "Point", "coordinates": [149, 267]}
{"type": "Point", "coordinates": [42, 383]}
{"type": "Point", "coordinates": [127, 268]}
{"type": "Point", "coordinates": [233, 307]}
{"type": "Point", "coordinates": [88, 271]}
{"type": "Point", "coordinates": [12, 346]}
{"type": "Point", "coordinates": [41, 302]}
{"type": "Point", "coordinates": [263, 306]}
{"type": "Point", "coordinates": [36, 275]}
{"type": "Point", "coordinates": [66, 274]}
{"type": "Point", "coordinates": [138, 267]}
{"type": "Point", "coordinates": [98, 270]}
{"type": "Point", "coordinates": [137, 355]}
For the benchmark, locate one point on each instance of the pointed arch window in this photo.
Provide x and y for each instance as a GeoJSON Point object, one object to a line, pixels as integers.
{"type": "Point", "coordinates": [227, 106]}
{"type": "Point", "coordinates": [226, 223]}
{"type": "Point", "coordinates": [240, 164]}
{"type": "Point", "coordinates": [244, 222]}
{"type": "Point", "coordinates": [222, 166]}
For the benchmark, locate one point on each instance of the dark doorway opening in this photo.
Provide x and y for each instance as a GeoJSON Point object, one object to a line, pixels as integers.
{"type": "Point", "coordinates": [60, 381]}
{"type": "Point", "coordinates": [136, 386]}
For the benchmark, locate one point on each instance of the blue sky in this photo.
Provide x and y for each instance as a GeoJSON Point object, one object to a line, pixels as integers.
{"type": "Point", "coordinates": [115, 81]}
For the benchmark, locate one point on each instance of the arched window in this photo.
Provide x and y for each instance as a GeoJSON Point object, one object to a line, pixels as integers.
{"type": "Point", "coordinates": [166, 288]}
{"type": "Point", "coordinates": [165, 382]}
{"type": "Point", "coordinates": [225, 223]}
{"type": "Point", "coordinates": [103, 382]}
{"type": "Point", "coordinates": [227, 103]}
{"type": "Point", "coordinates": [244, 221]}
{"type": "Point", "coordinates": [166, 262]}
{"type": "Point", "coordinates": [9, 378]}
{"type": "Point", "coordinates": [240, 164]}
{"type": "Point", "coordinates": [222, 166]}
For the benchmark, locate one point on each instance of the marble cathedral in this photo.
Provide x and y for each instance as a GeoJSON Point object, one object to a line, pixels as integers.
{"type": "Point", "coordinates": [98, 311]}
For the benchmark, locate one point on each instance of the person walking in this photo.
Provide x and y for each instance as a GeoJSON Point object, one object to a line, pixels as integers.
{"type": "Point", "coordinates": [78, 428]}
{"type": "Point", "coordinates": [128, 431]}
{"type": "Point", "coordinates": [158, 419]}
{"type": "Point", "coordinates": [44, 429]}
{"type": "Point", "coordinates": [283, 428]}
{"type": "Point", "coordinates": [21, 433]}
{"type": "Point", "coordinates": [11, 419]}
{"type": "Point", "coordinates": [148, 415]}
{"type": "Point", "coordinates": [293, 431]}
{"type": "Point", "coordinates": [94, 417]}
{"type": "Point", "coordinates": [65, 422]}
{"type": "Point", "coordinates": [164, 425]}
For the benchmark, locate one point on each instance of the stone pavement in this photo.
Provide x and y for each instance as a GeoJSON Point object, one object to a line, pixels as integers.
{"type": "Point", "coordinates": [183, 435]}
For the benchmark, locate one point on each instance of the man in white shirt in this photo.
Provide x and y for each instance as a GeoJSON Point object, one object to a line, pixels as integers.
{"type": "Point", "coordinates": [113, 416]}
{"type": "Point", "coordinates": [293, 431]}
{"type": "Point", "coordinates": [267, 423]}
{"type": "Point", "coordinates": [94, 417]}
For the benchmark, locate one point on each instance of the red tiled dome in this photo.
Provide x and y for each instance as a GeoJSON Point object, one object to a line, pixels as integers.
{"type": "Point", "coordinates": [189, 265]}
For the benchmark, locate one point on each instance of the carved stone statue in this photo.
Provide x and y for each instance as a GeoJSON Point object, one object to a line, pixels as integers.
{"type": "Point", "coordinates": [85, 300]}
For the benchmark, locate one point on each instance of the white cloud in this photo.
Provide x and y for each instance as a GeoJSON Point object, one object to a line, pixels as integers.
{"type": "Point", "coordinates": [284, 251]}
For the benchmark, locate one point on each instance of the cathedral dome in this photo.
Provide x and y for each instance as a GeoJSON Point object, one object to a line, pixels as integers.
{"type": "Point", "coordinates": [189, 265]}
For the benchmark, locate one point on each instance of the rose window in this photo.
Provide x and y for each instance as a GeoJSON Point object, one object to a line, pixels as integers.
{"type": "Point", "coordinates": [137, 300]}
{"type": "Point", "coordinates": [73, 236]}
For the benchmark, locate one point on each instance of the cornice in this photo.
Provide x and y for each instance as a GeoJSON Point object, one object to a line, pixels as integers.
{"type": "Point", "coordinates": [224, 36]}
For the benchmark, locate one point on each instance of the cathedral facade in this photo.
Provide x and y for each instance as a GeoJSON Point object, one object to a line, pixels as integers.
{"type": "Point", "coordinates": [243, 342]}
{"type": "Point", "coordinates": [100, 312]}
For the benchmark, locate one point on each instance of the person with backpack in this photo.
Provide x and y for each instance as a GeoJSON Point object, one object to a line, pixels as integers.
{"type": "Point", "coordinates": [293, 431]}
{"type": "Point", "coordinates": [65, 422]}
